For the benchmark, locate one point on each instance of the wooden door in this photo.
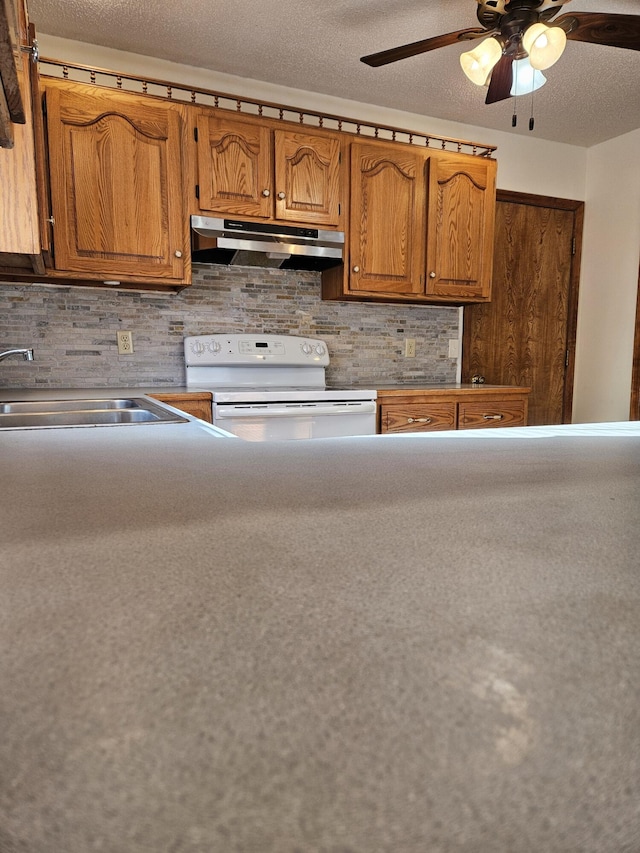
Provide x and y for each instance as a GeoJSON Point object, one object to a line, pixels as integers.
{"type": "Point", "coordinates": [116, 183]}
{"type": "Point", "coordinates": [387, 221]}
{"type": "Point", "coordinates": [460, 227]}
{"type": "Point", "coordinates": [235, 166]}
{"type": "Point", "coordinates": [526, 334]}
{"type": "Point", "coordinates": [307, 177]}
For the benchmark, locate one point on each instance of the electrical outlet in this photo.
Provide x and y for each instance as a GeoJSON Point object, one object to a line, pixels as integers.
{"type": "Point", "coordinates": [125, 343]}
{"type": "Point", "coordinates": [454, 348]}
{"type": "Point", "coordinates": [409, 348]}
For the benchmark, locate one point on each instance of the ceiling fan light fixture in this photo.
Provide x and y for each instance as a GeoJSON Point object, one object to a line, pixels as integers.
{"type": "Point", "coordinates": [526, 79]}
{"type": "Point", "coordinates": [545, 45]}
{"type": "Point", "coordinates": [478, 63]}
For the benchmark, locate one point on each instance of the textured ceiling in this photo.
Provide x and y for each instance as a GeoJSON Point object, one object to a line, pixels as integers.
{"type": "Point", "coordinates": [592, 93]}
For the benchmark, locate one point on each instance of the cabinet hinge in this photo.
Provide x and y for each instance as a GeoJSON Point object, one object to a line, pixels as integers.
{"type": "Point", "coordinates": [197, 190]}
{"type": "Point", "coordinates": [573, 246]}
{"type": "Point", "coordinates": [195, 134]}
{"type": "Point", "coordinates": [566, 359]}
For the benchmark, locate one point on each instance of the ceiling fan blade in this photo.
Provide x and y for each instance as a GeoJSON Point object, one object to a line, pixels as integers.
{"type": "Point", "coordinates": [501, 80]}
{"type": "Point", "coordinates": [416, 47]}
{"type": "Point", "coordinates": [602, 28]}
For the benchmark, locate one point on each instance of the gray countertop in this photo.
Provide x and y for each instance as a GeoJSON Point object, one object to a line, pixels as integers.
{"type": "Point", "coordinates": [393, 644]}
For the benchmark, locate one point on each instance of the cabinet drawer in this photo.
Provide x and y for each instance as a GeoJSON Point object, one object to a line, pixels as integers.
{"type": "Point", "coordinates": [479, 415]}
{"type": "Point", "coordinates": [418, 418]}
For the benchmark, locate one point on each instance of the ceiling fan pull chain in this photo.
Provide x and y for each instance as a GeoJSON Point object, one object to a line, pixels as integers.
{"type": "Point", "coordinates": [532, 120]}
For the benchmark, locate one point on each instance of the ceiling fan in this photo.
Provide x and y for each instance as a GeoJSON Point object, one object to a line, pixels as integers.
{"type": "Point", "coordinates": [519, 38]}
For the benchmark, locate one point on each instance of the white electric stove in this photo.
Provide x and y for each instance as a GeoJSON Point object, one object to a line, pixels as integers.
{"type": "Point", "coordinates": [272, 387]}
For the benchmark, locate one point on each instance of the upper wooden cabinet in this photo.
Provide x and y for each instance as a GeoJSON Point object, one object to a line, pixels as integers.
{"type": "Point", "coordinates": [20, 223]}
{"type": "Point", "coordinates": [460, 226]}
{"type": "Point", "coordinates": [252, 168]}
{"type": "Point", "coordinates": [116, 183]}
{"type": "Point", "coordinates": [387, 219]}
{"type": "Point", "coordinates": [421, 226]}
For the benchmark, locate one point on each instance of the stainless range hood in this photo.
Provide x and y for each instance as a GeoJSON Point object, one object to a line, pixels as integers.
{"type": "Point", "coordinates": [256, 244]}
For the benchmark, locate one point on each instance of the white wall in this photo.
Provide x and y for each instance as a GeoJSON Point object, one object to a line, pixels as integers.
{"type": "Point", "coordinates": [609, 285]}
{"type": "Point", "coordinates": [605, 177]}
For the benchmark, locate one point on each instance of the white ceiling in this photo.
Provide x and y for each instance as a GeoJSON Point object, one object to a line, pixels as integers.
{"type": "Point", "coordinates": [592, 93]}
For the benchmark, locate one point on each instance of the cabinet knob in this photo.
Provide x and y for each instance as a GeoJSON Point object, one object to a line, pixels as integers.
{"type": "Point", "coordinates": [266, 193]}
{"type": "Point", "coordinates": [178, 253]}
{"type": "Point", "coordinates": [432, 274]}
{"type": "Point", "coordinates": [356, 268]}
{"type": "Point", "coordinates": [282, 196]}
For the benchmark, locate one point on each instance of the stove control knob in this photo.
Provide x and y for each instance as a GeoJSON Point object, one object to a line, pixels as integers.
{"type": "Point", "coordinates": [307, 349]}
{"type": "Point", "coordinates": [197, 347]}
{"type": "Point", "coordinates": [214, 346]}
{"type": "Point", "coordinates": [320, 349]}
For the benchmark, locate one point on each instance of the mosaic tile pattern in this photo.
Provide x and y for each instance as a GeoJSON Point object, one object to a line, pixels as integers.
{"type": "Point", "coordinates": [73, 330]}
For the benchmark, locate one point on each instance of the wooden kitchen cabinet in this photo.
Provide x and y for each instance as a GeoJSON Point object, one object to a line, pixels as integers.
{"type": "Point", "coordinates": [451, 407]}
{"type": "Point", "coordinates": [194, 403]}
{"type": "Point", "coordinates": [460, 226]}
{"type": "Point", "coordinates": [421, 226]}
{"type": "Point", "coordinates": [116, 182]}
{"type": "Point", "coordinates": [20, 223]}
{"type": "Point", "coordinates": [387, 220]}
{"type": "Point", "coordinates": [253, 168]}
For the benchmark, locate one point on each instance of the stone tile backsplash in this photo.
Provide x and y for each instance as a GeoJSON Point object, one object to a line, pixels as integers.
{"type": "Point", "coordinates": [73, 330]}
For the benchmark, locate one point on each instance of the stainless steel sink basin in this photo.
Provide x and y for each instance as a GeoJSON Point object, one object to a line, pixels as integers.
{"type": "Point", "coordinates": [83, 413]}
{"type": "Point", "coordinates": [42, 406]}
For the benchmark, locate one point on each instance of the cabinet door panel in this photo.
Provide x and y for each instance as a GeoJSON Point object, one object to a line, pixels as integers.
{"type": "Point", "coordinates": [115, 184]}
{"type": "Point", "coordinates": [234, 167]}
{"type": "Point", "coordinates": [387, 216]}
{"type": "Point", "coordinates": [460, 226]}
{"type": "Point", "coordinates": [307, 177]}
{"type": "Point", "coordinates": [485, 415]}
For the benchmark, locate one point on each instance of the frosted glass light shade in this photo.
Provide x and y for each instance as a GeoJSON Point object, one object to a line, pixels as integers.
{"type": "Point", "coordinates": [525, 78]}
{"type": "Point", "coordinates": [545, 45]}
{"type": "Point", "coordinates": [478, 63]}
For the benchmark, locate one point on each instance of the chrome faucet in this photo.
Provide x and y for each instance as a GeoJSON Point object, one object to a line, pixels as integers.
{"type": "Point", "coordinates": [27, 354]}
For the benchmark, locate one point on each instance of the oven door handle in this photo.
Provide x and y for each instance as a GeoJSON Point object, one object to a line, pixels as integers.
{"type": "Point", "coordinates": [293, 410]}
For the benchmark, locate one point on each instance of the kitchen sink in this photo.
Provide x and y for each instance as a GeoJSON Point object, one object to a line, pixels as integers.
{"type": "Point", "coordinates": [80, 413]}
{"type": "Point", "coordinates": [41, 406]}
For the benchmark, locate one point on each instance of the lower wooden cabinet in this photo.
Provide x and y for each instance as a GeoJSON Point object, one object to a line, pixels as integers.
{"type": "Point", "coordinates": [193, 403]}
{"type": "Point", "coordinates": [451, 407]}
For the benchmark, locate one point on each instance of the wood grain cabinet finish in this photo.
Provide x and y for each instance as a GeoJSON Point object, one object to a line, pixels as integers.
{"type": "Point", "coordinates": [193, 403]}
{"type": "Point", "coordinates": [498, 413]}
{"type": "Point", "coordinates": [253, 169]}
{"type": "Point", "coordinates": [460, 227]}
{"type": "Point", "coordinates": [421, 226]}
{"type": "Point", "coordinates": [417, 417]}
{"type": "Point", "coordinates": [387, 220]}
{"type": "Point", "coordinates": [20, 244]}
{"type": "Point", "coordinates": [116, 184]}
{"type": "Point", "coordinates": [454, 407]}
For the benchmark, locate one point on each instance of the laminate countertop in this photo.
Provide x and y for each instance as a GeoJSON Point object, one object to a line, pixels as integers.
{"type": "Point", "coordinates": [391, 644]}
